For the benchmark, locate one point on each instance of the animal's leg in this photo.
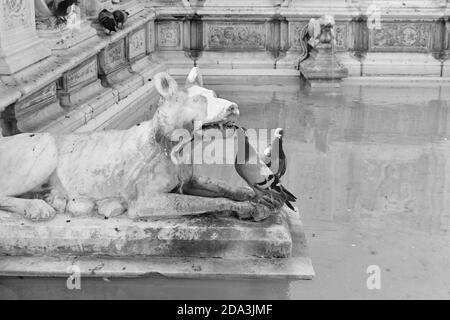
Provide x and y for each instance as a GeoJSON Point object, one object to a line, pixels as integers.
{"type": "Point", "coordinates": [208, 187]}
{"type": "Point", "coordinates": [33, 209]}
{"type": "Point", "coordinates": [80, 207]}
{"type": "Point", "coordinates": [212, 188]}
{"type": "Point", "coordinates": [56, 200]}
{"type": "Point", "coordinates": [111, 207]}
{"type": "Point", "coordinates": [176, 205]}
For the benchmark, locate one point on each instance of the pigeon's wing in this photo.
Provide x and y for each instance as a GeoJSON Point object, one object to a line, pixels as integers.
{"type": "Point", "coordinates": [281, 168]}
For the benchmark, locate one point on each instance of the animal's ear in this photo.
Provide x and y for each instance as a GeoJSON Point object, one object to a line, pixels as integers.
{"type": "Point", "coordinates": [165, 84]}
{"type": "Point", "coordinates": [127, 13]}
{"type": "Point", "coordinates": [194, 78]}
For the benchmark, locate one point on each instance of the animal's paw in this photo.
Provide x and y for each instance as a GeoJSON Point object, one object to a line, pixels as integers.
{"type": "Point", "coordinates": [110, 208]}
{"type": "Point", "coordinates": [272, 203]}
{"type": "Point", "coordinates": [57, 201]}
{"type": "Point", "coordinates": [243, 194]}
{"type": "Point", "coordinates": [80, 207]}
{"type": "Point", "coordinates": [261, 212]}
{"type": "Point", "coordinates": [38, 210]}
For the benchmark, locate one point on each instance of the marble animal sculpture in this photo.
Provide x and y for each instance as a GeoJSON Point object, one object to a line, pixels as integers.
{"type": "Point", "coordinates": [315, 32]}
{"type": "Point", "coordinates": [135, 171]}
{"type": "Point", "coordinates": [251, 166]}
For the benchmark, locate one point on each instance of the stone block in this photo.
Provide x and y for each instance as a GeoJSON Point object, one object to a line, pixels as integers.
{"type": "Point", "coordinates": [208, 236]}
{"type": "Point", "coordinates": [115, 71]}
{"type": "Point", "coordinates": [400, 64]}
{"type": "Point", "coordinates": [38, 109]}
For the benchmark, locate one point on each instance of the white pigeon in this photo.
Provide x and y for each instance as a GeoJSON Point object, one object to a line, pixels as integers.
{"type": "Point", "coordinates": [274, 156]}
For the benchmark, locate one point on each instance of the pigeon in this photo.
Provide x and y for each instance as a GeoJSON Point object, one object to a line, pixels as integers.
{"type": "Point", "coordinates": [268, 188]}
{"type": "Point", "coordinates": [274, 156]}
{"type": "Point", "coordinates": [121, 17]}
{"type": "Point", "coordinates": [60, 9]}
{"type": "Point", "coordinates": [107, 21]}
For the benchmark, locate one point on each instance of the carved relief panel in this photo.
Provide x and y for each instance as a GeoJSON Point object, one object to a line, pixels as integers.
{"type": "Point", "coordinates": [112, 57]}
{"type": "Point", "coordinates": [170, 35]}
{"type": "Point", "coordinates": [81, 75]}
{"type": "Point", "coordinates": [395, 36]}
{"type": "Point", "coordinates": [16, 14]}
{"type": "Point", "coordinates": [235, 35]}
{"type": "Point", "coordinates": [295, 28]}
{"type": "Point", "coordinates": [137, 44]}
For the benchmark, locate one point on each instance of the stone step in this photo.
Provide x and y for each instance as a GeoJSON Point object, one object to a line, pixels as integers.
{"type": "Point", "coordinates": [206, 236]}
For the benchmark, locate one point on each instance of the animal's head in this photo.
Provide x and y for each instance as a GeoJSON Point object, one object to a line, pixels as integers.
{"type": "Point", "coordinates": [193, 107]}
{"type": "Point", "coordinates": [321, 30]}
{"type": "Point", "coordinates": [192, 110]}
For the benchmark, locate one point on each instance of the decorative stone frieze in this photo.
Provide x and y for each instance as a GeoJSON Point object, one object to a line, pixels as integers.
{"type": "Point", "coordinates": [235, 35]}
{"type": "Point", "coordinates": [404, 36]}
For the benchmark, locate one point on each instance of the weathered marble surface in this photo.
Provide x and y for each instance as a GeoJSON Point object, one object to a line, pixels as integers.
{"type": "Point", "coordinates": [19, 45]}
{"type": "Point", "coordinates": [195, 236]}
{"type": "Point", "coordinates": [240, 262]}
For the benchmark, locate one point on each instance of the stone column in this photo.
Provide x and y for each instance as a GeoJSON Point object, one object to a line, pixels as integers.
{"type": "Point", "coordinates": [19, 44]}
{"type": "Point", "coordinates": [91, 8]}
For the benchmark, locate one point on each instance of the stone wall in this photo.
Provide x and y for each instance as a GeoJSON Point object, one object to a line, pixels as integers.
{"type": "Point", "coordinates": [90, 78]}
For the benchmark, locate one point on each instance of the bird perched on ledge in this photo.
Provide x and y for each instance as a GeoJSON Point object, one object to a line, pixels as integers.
{"type": "Point", "coordinates": [260, 178]}
{"type": "Point", "coordinates": [107, 21]}
{"type": "Point", "coordinates": [274, 156]}
{"type": "Point", "coordinates": [121, 17]}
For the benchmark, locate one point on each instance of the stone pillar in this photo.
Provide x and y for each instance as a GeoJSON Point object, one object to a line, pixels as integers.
{"type": "Point", "coordinates": [91, 8]}
{"type": "Point", "coordinates": [19, 45]}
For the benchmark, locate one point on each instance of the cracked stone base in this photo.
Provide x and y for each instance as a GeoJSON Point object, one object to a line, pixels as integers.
{"type": "Point", "coordinates": [193, 247]}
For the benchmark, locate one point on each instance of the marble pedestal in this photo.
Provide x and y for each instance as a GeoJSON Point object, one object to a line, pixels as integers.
{"type": "Point", "coordinates": [191, 246]}
{"type": "Point", "coordinates": [322, 67]}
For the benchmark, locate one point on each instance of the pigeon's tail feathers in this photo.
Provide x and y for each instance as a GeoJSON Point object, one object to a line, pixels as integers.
{"type": "Point", "coordinates": [289, 195]}
{"type": "Point", "coordinates": [290, 206]}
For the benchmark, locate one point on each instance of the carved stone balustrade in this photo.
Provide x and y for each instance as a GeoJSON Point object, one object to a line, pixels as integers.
{"type": "Point", "coordinates": [222, 37]}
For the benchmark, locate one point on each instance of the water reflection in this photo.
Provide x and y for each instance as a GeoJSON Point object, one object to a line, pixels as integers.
{"type": "Point", "coordinates": [146, 288]}
{"type": "Point", "coordinates": [363, 151]}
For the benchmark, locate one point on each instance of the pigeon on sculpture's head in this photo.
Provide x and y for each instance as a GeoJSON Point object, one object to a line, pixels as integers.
{"type": "Point", "coordinates": [274, 156]}
{"type": "Point", "coordinates": [107, 21]}
{"type": "Point", "coordinates": [121, 17]}
{"type": "Point", "coordinates": [260, 178]}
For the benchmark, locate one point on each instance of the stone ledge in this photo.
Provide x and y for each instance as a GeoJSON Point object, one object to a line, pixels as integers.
{"type": "Point", "coordinates": [298, 266]}
{"type": "Point", "coordinates": [40, 74]}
